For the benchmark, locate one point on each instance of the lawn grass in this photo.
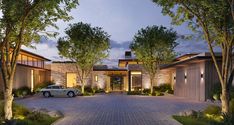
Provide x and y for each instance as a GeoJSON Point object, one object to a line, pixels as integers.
{"type": "Point", "coordinates": [186, 120]}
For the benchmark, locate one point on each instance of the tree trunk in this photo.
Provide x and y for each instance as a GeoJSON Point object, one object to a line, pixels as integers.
{"type": "Point", "coordinates": [82, 88]}
{"type": "Point", "coordinates": [225, 100]}
{"type": "Point", "coordinates": [8, 99]}
{"type": "Point", "coordinates": [151, 84]}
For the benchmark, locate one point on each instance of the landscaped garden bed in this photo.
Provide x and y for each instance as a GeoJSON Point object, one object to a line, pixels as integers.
{"type": "Point", "coordinates": [210, 116]}
{"type": "Point", "coordinates": [23, 116]}
{"type": "Point", "coordinates": [160, 90]}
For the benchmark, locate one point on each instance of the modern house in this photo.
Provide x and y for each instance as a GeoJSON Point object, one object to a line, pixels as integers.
{"type": "Point", "coordinates": [30, 71]}
{"type": "Point", "coordinates": [191, 76]}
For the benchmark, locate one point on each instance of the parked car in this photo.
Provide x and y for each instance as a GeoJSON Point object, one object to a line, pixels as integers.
{"type": "Point", "coordinates": [58, 90]}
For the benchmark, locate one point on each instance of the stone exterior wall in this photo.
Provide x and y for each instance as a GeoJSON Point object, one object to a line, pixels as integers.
{"type": "Point", "coordinates": [102, 79]}
{"type": "Point", "coordinates": [59, 73]}
{"type": "Point", "coordinates": [164, 77]}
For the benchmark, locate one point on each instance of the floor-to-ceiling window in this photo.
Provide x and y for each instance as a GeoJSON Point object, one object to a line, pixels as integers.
{"type": "Point", "coordinates": [136, 81]}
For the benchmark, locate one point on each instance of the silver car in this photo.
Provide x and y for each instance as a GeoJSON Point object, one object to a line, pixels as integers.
{"type": "Point", "coordinates": [58, 90]}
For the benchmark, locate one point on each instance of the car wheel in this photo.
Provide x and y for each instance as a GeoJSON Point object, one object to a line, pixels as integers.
{"type": "Point", "coordinates": [70, 94]}
{"type": "Point", "coordinates": [46, 94]}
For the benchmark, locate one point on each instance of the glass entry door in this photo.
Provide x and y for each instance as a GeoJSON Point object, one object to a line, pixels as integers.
{"type": "Point", "coordinates": [117, 83]}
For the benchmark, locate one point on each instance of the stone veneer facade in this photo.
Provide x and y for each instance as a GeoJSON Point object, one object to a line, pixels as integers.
{"type": "Point", "coordinates": [59, 72]}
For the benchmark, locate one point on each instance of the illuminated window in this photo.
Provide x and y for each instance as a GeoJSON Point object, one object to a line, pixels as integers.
{"type": "Point", "coordinates": [24, 59]}
{"type": "Point", "coordinates": [19, 59]}
{"type": "Point", "coordinates": [30, 61]}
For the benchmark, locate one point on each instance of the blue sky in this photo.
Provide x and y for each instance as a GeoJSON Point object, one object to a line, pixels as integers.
{"type": "Point", "coordinates": [121, 19]}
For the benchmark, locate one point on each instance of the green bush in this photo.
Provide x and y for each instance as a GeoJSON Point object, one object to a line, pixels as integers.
{"type": "Point", "coordinates": [164, 88]}
{"type": "Point", "coordinates": [22, 92]}
{"type": "Point", "coordinates": [100, 91]}
{"type": "Point", "coordinates": [134, 93]}
{"type": "Point", "coordinates": [38, 87]}
{"type": "Point", "coordinates": [212, 110]}
{"type": "Point", "coordinates": [146, 91]}
{"type": "Point", "coordinates": [88, 89]}
{"type": "Point", "coordinates": [157, 93]}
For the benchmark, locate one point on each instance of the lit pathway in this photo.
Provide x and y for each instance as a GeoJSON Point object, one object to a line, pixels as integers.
{"type": "Point", "coordinates": [115, 109]}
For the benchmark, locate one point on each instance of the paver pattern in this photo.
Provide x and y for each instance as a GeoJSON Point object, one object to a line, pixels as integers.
{"type": "Point", "coordinates": [115, 109]}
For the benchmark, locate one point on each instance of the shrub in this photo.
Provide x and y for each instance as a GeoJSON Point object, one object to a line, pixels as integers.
{"type": "Point", "coordinates": [100, 91]}
{"type": "Point", "coordinates": [212, 110]}
{"type": "Point", "coordinates": [19, 111]}
{"type": "Point", "coordinates": [134, 93]}
{"type": "Point", "coordinates": [164, 88]}
{"type": "Point", "coordinates": [157, 93]}
{"type": "Point", "coordinates": [38, 87]}
{"type": "Point", "coordinates": [21, 92]}
{"type": "Point", "coordinates": [146, 91]}
{"type": "Point", "coordinates": [88, 89]}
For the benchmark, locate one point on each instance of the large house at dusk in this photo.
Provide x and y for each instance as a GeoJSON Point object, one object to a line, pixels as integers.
{"type": "Point", "coordinates": [192, 76]}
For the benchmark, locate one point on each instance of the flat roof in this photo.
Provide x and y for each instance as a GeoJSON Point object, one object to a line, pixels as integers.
{"type": "Point", "coordinates": [111, 69]}
{"type": "Point", "coordinates": [25, 51]}
{"type": "Point", "coordinates": [201, 56]}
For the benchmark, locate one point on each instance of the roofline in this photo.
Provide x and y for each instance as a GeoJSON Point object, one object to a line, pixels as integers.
{"type": "Point", "coordinates": [110, 70]}
{"type": "Point", "coordinates": [35, 54]}
{"type": "Point", "coordinates": [187, 60]}
{"type": "Point", "coordinates": [63, 62]}
{"type": "Point", "coordinates": [34, 67]}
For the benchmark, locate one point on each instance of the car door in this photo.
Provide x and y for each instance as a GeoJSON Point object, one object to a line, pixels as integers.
{"type": "Point", "coordinates": [55, 90]}
{"type": "Point", "coordinates": [62, 91]}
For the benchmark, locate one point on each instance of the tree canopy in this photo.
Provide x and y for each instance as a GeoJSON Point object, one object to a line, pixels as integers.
{"type": "Point", "coordinates": [154, 46]}
{"type": "Point", "coordinates": [85, 45]}
{"type": "Point", "coordinates": [23, 22]}
{"type": "Point", "coordinates": [213, 19]}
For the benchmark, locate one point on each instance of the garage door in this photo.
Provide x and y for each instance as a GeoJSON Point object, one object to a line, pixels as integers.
{"type": "Point", "coordinates": [71, 79]}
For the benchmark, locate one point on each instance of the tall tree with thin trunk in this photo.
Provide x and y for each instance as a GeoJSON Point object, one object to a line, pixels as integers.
{"type": "Point", "coordinates": [154, 46]}
{"type": "Point", "coordinates": [86, 46]}
{"type": "Point", "coordinates": [23, 22]}
{"type": "Point", "coordinates": [214, 20]}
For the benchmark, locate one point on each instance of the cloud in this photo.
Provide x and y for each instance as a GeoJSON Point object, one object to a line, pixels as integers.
{"type": "Point", "coordinates": [193, 46]}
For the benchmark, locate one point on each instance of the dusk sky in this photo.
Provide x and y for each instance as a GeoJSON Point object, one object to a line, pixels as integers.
{"type": "Point", "coordinates": [121, 19]}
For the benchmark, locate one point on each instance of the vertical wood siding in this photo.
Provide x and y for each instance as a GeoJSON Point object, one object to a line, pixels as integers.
{"type": "Point", "coordinates": [211, 78]}
{"type": "Point", "coordinates": [189, 87]}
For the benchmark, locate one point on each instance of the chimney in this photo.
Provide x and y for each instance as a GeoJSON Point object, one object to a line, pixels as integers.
{"type": "Point", "coordinates": [128, 54]}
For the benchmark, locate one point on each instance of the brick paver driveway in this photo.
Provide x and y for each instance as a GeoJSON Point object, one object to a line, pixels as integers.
{"type": "Point", "coordinates": [115, 109]}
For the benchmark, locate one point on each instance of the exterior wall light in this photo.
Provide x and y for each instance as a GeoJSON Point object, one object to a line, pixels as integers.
{"type": "Point", "coordinates": [201, 75]}
{"type": "Point", "coordinates": [185, 77]}
{"type": "Point", "coordinates": [96, 78]}
{"type": "Point", "coordinates": [174, 77]}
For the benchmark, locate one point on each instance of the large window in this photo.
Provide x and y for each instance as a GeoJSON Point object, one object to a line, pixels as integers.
{"type": "Point", "coordinates": [24, 59]}
{"type": "Point", "coordinates": [136, 80]}
{"type": "Point", "coordinates": [30, 61]}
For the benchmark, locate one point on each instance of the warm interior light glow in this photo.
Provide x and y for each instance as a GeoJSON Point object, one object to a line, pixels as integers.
{"type": "Point", "coordinates": [135, 73]}
{"type": "Point", "coordinates": [96, 78]}
{"type": "Point", "coordinates": [32, 80]}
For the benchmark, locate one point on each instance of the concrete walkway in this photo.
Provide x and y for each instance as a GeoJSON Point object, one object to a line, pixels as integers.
{"type": "Point", "coordinates": [115, 109]}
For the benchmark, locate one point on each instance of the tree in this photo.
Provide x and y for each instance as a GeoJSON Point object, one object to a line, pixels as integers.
{"type": "Point", "coordinates": [154, 46]}
{"type": "Point", "coordinates": [22, 22]}
{"type": "Point", "coordinates": [84, 45]}
{"type": "Point", "coordinates": [214, 20]}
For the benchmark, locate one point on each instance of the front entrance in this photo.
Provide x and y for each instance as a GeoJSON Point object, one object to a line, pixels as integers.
{"type": "Point", "coordinates": [117, 83]}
